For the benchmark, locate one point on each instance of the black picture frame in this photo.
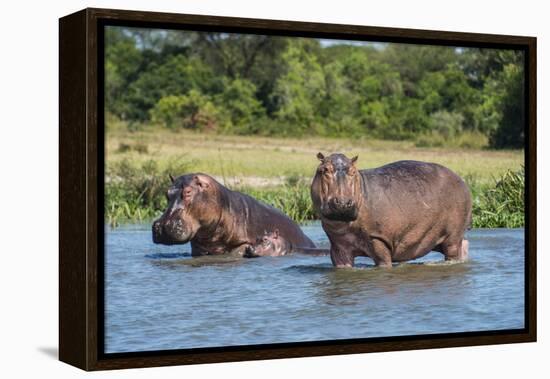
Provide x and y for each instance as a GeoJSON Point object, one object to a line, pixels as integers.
{"type": "Point", "coordinates": [81, 156]}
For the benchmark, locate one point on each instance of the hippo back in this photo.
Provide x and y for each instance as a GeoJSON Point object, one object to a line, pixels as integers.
{"type": "Point", "coordinates": [410, 188]}
{"type": "Point", "coordinates": [259, 217]}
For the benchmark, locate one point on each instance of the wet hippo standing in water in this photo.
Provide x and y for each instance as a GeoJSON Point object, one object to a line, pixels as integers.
{"type": "Point", "coordinates": [217, 220]}
{"type": "Point", "coordinates": [272, 244]}
{"type": "Point", "coordinates": [394, 213]}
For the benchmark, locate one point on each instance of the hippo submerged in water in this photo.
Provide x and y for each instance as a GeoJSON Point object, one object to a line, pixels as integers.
{"type": "Point", "coordinates": [394, 213]}
{"type": "Point", "coordinates": [273, 244]}
{"type": "Point", "coordinates": [217, 220]}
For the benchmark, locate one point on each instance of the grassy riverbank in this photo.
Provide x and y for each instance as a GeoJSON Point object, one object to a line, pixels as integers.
{"type": "Point", "coordinates": [278, 171]}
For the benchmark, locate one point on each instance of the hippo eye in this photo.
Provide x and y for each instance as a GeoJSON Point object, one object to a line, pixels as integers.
{"type": "Point", "coordinates": [324, 170]}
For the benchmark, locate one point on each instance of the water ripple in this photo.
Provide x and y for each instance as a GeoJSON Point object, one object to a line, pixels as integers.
{"type": "Point", "coordinates": [159, 297]}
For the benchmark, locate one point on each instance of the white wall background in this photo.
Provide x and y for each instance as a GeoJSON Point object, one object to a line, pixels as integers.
{"type": "Point", "coordinates": [29, 177]}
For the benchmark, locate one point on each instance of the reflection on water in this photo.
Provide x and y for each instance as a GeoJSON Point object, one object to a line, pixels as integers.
{"type": "Point", "coordinates": [158, 297]}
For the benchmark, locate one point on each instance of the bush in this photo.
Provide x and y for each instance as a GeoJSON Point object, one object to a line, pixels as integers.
{"type": "Point", "coordinates": [502, 206]}
{"type": "Point", "coordinates": [447, 124]}
{"type": "Point", "coordinates": [140, 148]}
{"type": "Point", "coordinates": [191, 111]}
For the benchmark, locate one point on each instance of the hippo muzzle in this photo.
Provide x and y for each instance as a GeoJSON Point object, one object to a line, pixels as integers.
{"type": "Point", "coordinates": [340, 209]}
{"type": "Point", "coordinates": [170, 232]}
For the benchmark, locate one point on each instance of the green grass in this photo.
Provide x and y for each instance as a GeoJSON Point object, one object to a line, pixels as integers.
{"type": "Point", "coordinates": [278, 171]}
{"type": "Point", "coordinates": [293, 200]}
{"type": "Point", "coordinates": [501, 205]}
{"type": "Point", "coordinates": [234, 157]}
{"type": "Point", "coordinates": [465, 140]}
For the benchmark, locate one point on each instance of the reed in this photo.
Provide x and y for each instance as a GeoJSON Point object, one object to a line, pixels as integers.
{"type": "Point", "coordinates": [502, 205]}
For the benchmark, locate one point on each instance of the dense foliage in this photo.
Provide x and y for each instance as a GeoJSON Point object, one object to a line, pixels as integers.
{"type": "Point", "coordinates": [503, 205]}
{"type": "Point", "coordinates": [253, 84]}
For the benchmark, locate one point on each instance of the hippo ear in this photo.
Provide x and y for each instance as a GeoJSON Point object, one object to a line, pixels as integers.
{"type": "Point", "coordinates": [276, 233]}
{"type": "Point", "coordinates": [171, 178]}
{"type": "Point", "coordinates": [320, 156]}
{"type": "Point", "coordinates": [354, 159]}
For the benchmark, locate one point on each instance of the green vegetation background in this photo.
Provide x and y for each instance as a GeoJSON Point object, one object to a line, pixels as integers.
{"type": "Point", "coordinates": [295, 89]}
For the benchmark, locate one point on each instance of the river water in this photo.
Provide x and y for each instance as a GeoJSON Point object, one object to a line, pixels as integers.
{"type": "Point", "coordinates": [159, 298]}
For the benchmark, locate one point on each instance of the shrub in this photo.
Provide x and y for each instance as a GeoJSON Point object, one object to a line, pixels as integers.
{"type": "Point", "coordinates": [140, 148]}
{"type": "Point", "coordinates": [503, 205]}
{"type": "Point", "coordinates": [191, 111]}
{"type": "Point", "coordinates": [447, 124]}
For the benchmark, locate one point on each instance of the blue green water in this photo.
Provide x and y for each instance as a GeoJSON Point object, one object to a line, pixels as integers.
{"type": "Point", "coordinates": [159, 298]}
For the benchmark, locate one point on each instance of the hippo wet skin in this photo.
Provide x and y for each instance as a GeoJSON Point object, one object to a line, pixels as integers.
{"type": "Point", "coordinates": [217, 220]}
{"type": "Point", "coordinates": [273, 244]}
{"type": "Point", "coordinates": [394, 213]}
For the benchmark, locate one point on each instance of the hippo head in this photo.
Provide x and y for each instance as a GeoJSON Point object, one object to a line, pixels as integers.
{"type": "Point", "coordinates": [336, 188]}
{"type": "Point", "coordinates": [193, 204]}
{"type": "Point", "coordinates": [270, 244]}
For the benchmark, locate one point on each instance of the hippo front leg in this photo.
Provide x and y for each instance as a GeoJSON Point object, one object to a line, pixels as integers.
{"type": "Point", "coordinates": [341, 258]}
{"type": "Point", "coordinates": [380, 253]}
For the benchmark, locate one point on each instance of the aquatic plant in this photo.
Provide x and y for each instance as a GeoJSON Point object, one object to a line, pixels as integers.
{"type": "Point", "coordinates": [293, 200]}
{"type": "Point", "coordinates": [501, 206]}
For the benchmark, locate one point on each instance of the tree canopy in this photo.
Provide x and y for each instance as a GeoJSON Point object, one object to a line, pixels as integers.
{"type": "Point", "coordinates": [256, 84]}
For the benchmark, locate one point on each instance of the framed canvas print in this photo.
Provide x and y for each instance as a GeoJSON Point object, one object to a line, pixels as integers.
{"type": "Point", "coordinates": [241, 189]}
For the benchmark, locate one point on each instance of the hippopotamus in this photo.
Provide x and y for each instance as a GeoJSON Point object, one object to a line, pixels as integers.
{"type": "Point", "coordinates": [272, 244]}
{"type": "Point", "coordinates": [217, 220]}
{"type": "Point", "coordinates": [394, 213]}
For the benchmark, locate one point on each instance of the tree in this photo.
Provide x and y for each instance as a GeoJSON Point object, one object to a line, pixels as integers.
{"type": "Point", "coordinates": [295, 86]}
{"type": "Point", "coordinates": [193, 111]}
{"type": "Point", "coordinates": [299, 92]}
{"type": "Point", "coordinates": [414, 61]}
{"type": "Point", "coordinates": [340, 105]}
{"type": "Point", "coordinates": [511, 133]}
{"type": "Point", "coordinates": [244, 110]}
{"type": "Point", "coordinates": [176, 76]}
{"type": "Point", "coordinates": [122, 66]}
